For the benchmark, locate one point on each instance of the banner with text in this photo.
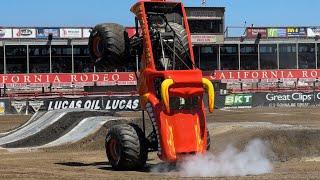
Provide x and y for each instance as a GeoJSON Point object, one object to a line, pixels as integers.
{"type": "Point", "coordinates": [44, 32]}
{"type": "Point", "coordinates": [313, 31]}
{"type": "Point", "coordinates": [253, 32]}
{"type": "Point", "coordinates": [103, 79]}
{"type": "Point", "coordinates": [86, 32]}
{"type": "Point", "coordinates": [286, 99]}
{"type": "Point", "coordinates": [71, 33]}
{"type": "Point", "coordinates": [24, 33]}
{"type": "Point", "coordinates": [269, 99]}
{"type": "Point", "coordinates": [264, 75]}
{"type": "Point", "coordinates": [109, 103]}
{"type": "Point", "coordinates": [238, 101]}
{"type": "Point", "coordinates": [5, 33]}
{"type": "Point", "coordinates": [277, 32]}
{"type": "Point", "coordinates": [297, 32]}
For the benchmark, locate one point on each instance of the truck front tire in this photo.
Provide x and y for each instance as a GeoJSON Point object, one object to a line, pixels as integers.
{"type": "Point", "coordinates": [126, 147]}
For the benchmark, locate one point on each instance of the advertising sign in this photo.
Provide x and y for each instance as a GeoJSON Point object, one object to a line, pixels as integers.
{"type": "Point", "coordinates": [297, 32]}
{"type": "Point", "coordinates": [24, 33]}
{"type": "Point", "coordinates": [70, 33]}
{"type": "Point", "coordinates": [5, 33]}
{"type": "Point", "coordinates": [253, 32]}
{"type": "Point", "coordinates": [296, 99]}
{"type": "Point", "coordinates": [277, 32]}
{"type": "Point", "coordinates": [238, 101]}
{"type": "Point", "coordinates": [36, 105]}
{"type": "Point", "coordinates": [203, 39]}
{"type": "Point", "coordinates": [313, 31]}
{"type": "Point", "coordinates": [18, 105]}
{"type": "Point", "coordinates": [114, 103]}
{"type": "Point", "coordinates": [86, 32]}
{"type": "Point", "coordinates": [121, 103]}
{"type": "Point", "coordinates": [44, 32]}
{"type": "Point", "coordinates": [109, 78]}
{"type": "Point", "coordinates": [263, 75]}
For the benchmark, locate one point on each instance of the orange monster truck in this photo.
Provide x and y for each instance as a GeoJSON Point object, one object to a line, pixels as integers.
{"type": "Point", "coordinates": [170, 86]}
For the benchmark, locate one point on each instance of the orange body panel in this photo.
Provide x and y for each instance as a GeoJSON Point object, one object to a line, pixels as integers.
{"type": "Point", "coordinates": [180, 132]}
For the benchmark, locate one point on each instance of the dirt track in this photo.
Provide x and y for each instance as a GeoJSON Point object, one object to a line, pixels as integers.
{"type": "Point", "coordinates": [293, 135]}
{"type": "Point", "coordinates": [8, 123]}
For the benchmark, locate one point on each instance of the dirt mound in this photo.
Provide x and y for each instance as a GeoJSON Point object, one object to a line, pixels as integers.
{"type": "Point", "coordinates": [284, 145]}
{"type": "Point", "coordinates": [56, 130]}
{"type": "Point", "coordinates": [294, 143]}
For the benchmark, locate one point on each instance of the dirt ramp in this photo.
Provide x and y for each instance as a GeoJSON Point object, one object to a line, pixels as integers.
{"type": "Point", "coordinates": [57, 129]}
{"type": "Point", "coordinates": [34, 127]}
{"type": "Point", "coordinates": [85, 128]}
{"type": "Point", "coordinates": [94, 141]}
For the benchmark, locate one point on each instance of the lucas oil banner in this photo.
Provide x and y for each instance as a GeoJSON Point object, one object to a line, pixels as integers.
{"type": "Point", "coordinates": [107, 103]}
{"type": "Point", "coordinates": [101, 103]}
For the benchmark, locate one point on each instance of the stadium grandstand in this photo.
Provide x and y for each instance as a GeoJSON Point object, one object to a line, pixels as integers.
{"type": "Point", "coordinates": [37, 61]}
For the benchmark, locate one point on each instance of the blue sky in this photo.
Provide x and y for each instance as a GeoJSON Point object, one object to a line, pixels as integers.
{"type": "Point", "coordinates": [91, 12]}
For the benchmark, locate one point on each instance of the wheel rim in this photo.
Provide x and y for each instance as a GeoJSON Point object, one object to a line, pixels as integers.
{"type": "Point", "coordinates": [96, 46]}
{"type": "Point", "coordinates": [114, 149]}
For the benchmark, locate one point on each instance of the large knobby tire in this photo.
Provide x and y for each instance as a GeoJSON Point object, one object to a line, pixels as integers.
{"type": "Point", "coordinates": [126, 147]}
{"type": "Point", "coordinates": [107, 44]}
{"type": "Point", "coordinates": [181, 46]}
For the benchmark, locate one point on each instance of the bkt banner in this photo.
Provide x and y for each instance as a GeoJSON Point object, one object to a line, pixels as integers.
{"type": "Point", "coordinates": [271, 99]}
{"type": "Point", "coordinates": [238, 101]}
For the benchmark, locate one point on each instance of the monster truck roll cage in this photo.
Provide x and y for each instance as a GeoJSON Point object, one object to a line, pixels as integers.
{"type": "Point", "coordinates": [170, 86]}
{"type": "Point", "coordinates": [162, 39]}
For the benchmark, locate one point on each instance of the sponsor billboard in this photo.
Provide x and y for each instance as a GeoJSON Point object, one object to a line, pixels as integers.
{"type": "Point", "coordinates": [296, 32]}
{"type": "Point", "coordinates": [129, 78]}
{"type": "Point", "coordinates": [44, 32]}
{"type": "Point", "coordinates": [253, 32]}
{"type": "Point", "coordinates": [36, 105]}
{"type": "Point", "coordinates": [102, 103]}
{"type": "Point", "coordinates": [61, 79]}
{"type": "Point", "coordinates": [269, 99]}
{"type": "Point", "coordinates": [19, 106]}
{"type": "Point", "coordinates": [203, 39]}
{"type": "Point", "coordinates": [313, 31]}
{"type": "Point", "coordinates": [277, 32]}
{"type": "Point", "coordinates": [5, 33]}
{"type": "Point", "coordinates": [263, 75]}
{"type": "Point", "coordinates": [105, 103]}
{"type": "Point", "coordinates": [70, 33]}
{"type": "Point", "coordinates": [238, 101]}
{"type": "Point", "coordinates": [86, 32]}
{"type": "Point", "coordinates": [287, 99]}
{"type": "Point", "coordinates": [24, 33]}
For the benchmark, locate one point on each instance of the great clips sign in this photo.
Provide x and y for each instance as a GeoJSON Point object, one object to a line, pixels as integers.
{"type": "Point", "coordinates": [265, 74]}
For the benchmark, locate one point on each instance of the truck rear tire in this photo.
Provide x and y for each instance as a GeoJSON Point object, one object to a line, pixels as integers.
{"type": "Point", "coordinates": [181, 47]}
{"type": "Point", "coordinates": [107, 44]}
{"type": "Point", "coordinates": [126, 147]}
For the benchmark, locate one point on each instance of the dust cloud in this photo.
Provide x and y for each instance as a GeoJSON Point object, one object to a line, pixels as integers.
{"type": "Point", "coordinates": [231, 162]}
